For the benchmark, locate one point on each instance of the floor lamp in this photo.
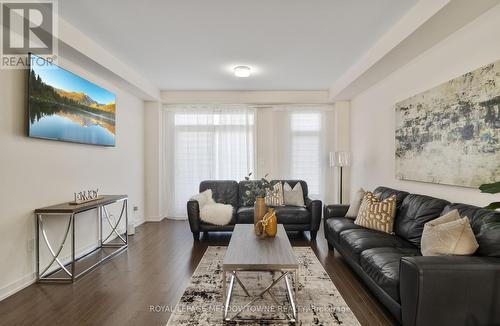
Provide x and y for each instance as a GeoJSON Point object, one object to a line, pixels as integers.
{"type": "Point", "coordinates": [340, 159]}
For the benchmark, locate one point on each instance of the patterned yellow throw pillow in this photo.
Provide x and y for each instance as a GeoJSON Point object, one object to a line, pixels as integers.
{"type": "Point", "coordinates": [274, 196]}
{"type": "Point", "coordinates": [375, 214]}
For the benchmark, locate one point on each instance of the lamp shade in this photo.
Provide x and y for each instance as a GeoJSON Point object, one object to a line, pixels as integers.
{"type": "Point", "coordinates": [340, 158]}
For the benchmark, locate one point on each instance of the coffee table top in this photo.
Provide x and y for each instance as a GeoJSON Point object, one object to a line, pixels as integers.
{"type": "Point", "coordinates": [247, 252]}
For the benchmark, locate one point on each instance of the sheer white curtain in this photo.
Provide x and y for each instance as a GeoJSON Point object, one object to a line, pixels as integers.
{"type": "Point", "coordinates": [204, 142]}
{"type": "Point", "coordinates": [294, 142]}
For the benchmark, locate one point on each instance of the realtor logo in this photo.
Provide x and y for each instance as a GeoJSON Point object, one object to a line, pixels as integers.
{"type": "Point", "coordinates": [28, 27]}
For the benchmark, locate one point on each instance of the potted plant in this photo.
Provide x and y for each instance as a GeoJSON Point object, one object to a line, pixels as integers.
{"type": "Point", "coordinates": [491, 188]}
{"type": "Point", "coordinates": [256, 191]}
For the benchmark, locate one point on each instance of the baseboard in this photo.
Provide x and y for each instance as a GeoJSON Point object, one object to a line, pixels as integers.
{"type": "Point", "coordinates": [140, 222]}
{"type": "Point", "coordinates": [177, 218]}
{"type": "Point", "coordinates": [29, 279]}
{"type": "Point", "coordinates": [155, 219]}
{"type": "Point", "coordinates": [17, 286]}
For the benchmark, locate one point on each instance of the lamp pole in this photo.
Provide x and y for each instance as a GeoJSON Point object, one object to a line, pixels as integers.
{"type": "Point", "coordinates": [340, 194]}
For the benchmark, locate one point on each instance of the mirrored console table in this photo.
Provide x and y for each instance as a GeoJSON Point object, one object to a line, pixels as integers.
{"type": "Point", "coordinates": [108, 246]}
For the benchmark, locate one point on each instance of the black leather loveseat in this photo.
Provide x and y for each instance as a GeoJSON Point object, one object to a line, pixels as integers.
{"type": "Point", "coordinates": [231, 192]}
{"type": "Point", "coordinates": [417, 290]}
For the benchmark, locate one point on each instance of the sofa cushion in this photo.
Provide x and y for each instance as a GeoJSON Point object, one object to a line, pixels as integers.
{"type": "Point", "coordinates": [245, 215]}
{"type": "Point", "coordinates": [384, 193]}
{"type": "Point", "coordinates": [336, 225]}
{"type": "Point", "coordinates": [292, 215]}
{"type": "Point", "coordinates": [382, 265]}
{"type": "Point", "coordinates": [485, 225]}
{"type": "Point", "coordinates": [292, 184]}
{"type": "Point", "coordinates": [293, 196]}
{"type": "Point", "coordinates": [355, 241]}
{"type": "Point", "coordinates": [353, 210]}
{"type": "Point", "coordinates": [285, 215]}
{"type": "Point", "coordinates": [415, 211]}
{"type": "Point", "coordinates": [274, 195]}
{"type": "Point", "coordinates": [243, 186]}
{"type": "Point", "coordinates": [376, 214]}
{"type": "Point", "coordinates": [448, 235]}
{"type": "Point", "coordinates": [223, 191]}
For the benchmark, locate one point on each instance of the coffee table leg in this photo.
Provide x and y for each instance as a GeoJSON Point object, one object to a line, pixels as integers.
{"type": "Point", "coordinates": [296, 290]}
{"type": "Point", "coordinates": [227, 299]}
{"type": "Point", "coordinates": [224, 280]}
{"type": "Point", "coordinates": [291, 298]}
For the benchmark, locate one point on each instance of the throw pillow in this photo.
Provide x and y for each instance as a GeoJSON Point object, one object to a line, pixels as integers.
{"type": "Point", "coordinates": [212, 212]}
{"type": "Point", "coordinates": [204, 198]}
{"type": "Point", "coordinates": [216, 214]}
{"type": "Point", "coordinates": [448, 235]}
{"type": "Point", "coordinates": [293, 196]}
{"type": "Point", "coordinates": [274, 196]}
{"type": "Point", "coordinates": [375, 214]}
{"type": "Point", "coordinates": [353, 210]}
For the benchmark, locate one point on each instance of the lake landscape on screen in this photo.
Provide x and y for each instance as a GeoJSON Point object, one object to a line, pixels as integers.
{"type": "Point", "coordinates": [66, 107]}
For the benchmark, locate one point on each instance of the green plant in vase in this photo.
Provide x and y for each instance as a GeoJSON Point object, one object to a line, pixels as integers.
{"type": "Point", "coordinates": [491, 188]}
{"type": "Point", "coordinates": [254, 196]}
{"type": "Point", "coordinates": [255, 189]}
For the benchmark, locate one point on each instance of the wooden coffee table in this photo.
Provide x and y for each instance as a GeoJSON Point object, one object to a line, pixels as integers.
{"type": "Point", "coordinates": [248, 253]}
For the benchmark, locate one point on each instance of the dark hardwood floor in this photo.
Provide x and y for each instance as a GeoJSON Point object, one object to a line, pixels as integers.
{"type": "Point", "coordinates": [154, 272]}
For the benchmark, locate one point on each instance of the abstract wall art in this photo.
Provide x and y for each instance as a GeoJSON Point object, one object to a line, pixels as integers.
{"type": "Point", "coordinates": [450, 134]}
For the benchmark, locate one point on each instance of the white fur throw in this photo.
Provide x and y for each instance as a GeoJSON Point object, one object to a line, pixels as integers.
{"type": "Point", "coordinates": [212, 212]}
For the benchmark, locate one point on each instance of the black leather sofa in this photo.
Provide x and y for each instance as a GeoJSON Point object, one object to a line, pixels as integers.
{"type": "Point", "coordinates": [417, 290]}
{"type": "Point", "coordinates": [231, 192]}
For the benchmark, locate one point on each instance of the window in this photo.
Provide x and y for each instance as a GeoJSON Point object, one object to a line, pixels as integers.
{"type": "Point", "coordinates": [305, 148]}
{"type": "Point", "coordinates": [221, 142]}
{"type": "Point", "coordinates": [208, 143]}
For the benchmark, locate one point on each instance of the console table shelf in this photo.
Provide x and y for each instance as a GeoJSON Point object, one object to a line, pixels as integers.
{"type": "Point", "coordinates": [109, 246]}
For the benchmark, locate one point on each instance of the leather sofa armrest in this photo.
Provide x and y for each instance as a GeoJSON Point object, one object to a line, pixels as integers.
{"type": "Point", "coordinates": [450, 290]}
{"type": "Point", "coordinates": [335, 211]}
{"type": "Point", "coordinates": [193, 210]}
{"type": "Point", "coordinates": [314, 206]}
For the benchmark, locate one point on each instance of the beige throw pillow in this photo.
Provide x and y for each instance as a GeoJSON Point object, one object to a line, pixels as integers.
{"type": "Point", "coordinates": [274, 196]}
{"type": "Point", "coordinates": [375, 214]}
{"type": "Point", "coordinates": [448, 235]}
{"type": "Point", "coordinates": [353, 210]}
{"type": "Point", "coordinates": [293, 196]}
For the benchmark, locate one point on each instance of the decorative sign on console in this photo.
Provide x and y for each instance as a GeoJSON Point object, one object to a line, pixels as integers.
{"type": "Point", "coordinates": [85, 197]}
{"type": "Point", "coordinates": [450, 134]}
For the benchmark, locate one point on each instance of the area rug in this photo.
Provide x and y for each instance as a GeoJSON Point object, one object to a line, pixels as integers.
{"type": "Point", "coordinates": [318, 301]}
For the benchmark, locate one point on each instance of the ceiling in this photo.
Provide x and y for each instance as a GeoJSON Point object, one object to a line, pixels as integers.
{"type": "Point", "coordinates": [194, 44]}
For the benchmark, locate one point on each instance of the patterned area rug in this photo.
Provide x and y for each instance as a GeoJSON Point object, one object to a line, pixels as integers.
{"type": "Point", "coordinates": [318, 301]}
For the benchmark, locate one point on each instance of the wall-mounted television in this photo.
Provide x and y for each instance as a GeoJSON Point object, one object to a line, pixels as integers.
{"type": "Point", "coordinates": [66, 107]}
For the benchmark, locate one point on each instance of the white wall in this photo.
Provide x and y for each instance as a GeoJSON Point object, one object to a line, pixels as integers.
{"type": "Point", "coordinates": [247, 97]}
{"type": "Point", "coordinates": [153, 162]}
{"type": "Point", "coordinates": [36, 173]}
{"type": "Point", "coordinates": [373, 115]}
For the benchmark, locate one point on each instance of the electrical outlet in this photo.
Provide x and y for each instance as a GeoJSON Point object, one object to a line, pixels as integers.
{"type": "Point", "coordinates": [30, 246]}
{"type": "Point", "coordinates": [136, 208]}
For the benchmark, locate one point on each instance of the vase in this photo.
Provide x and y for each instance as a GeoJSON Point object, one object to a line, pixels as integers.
{"type": "Point", "coordinates": [260, 210]}
{"type": "Point", "coordinates": [271, 227]}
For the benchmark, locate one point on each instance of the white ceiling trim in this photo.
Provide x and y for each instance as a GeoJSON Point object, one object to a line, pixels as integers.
{"type": "Point", "coordinates": [79, 47]}
{"type": "Point", "coordinates": [425, 25]}
{"type": "Point", "coordinates": [244, 97]}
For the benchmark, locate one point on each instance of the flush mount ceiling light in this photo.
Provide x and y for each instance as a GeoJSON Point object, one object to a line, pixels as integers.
{"type": "Point", "coordinates": [242, 71]}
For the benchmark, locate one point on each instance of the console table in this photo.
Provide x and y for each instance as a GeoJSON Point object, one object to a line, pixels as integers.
{"type": "Point", "coordinates": [68, 272]}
